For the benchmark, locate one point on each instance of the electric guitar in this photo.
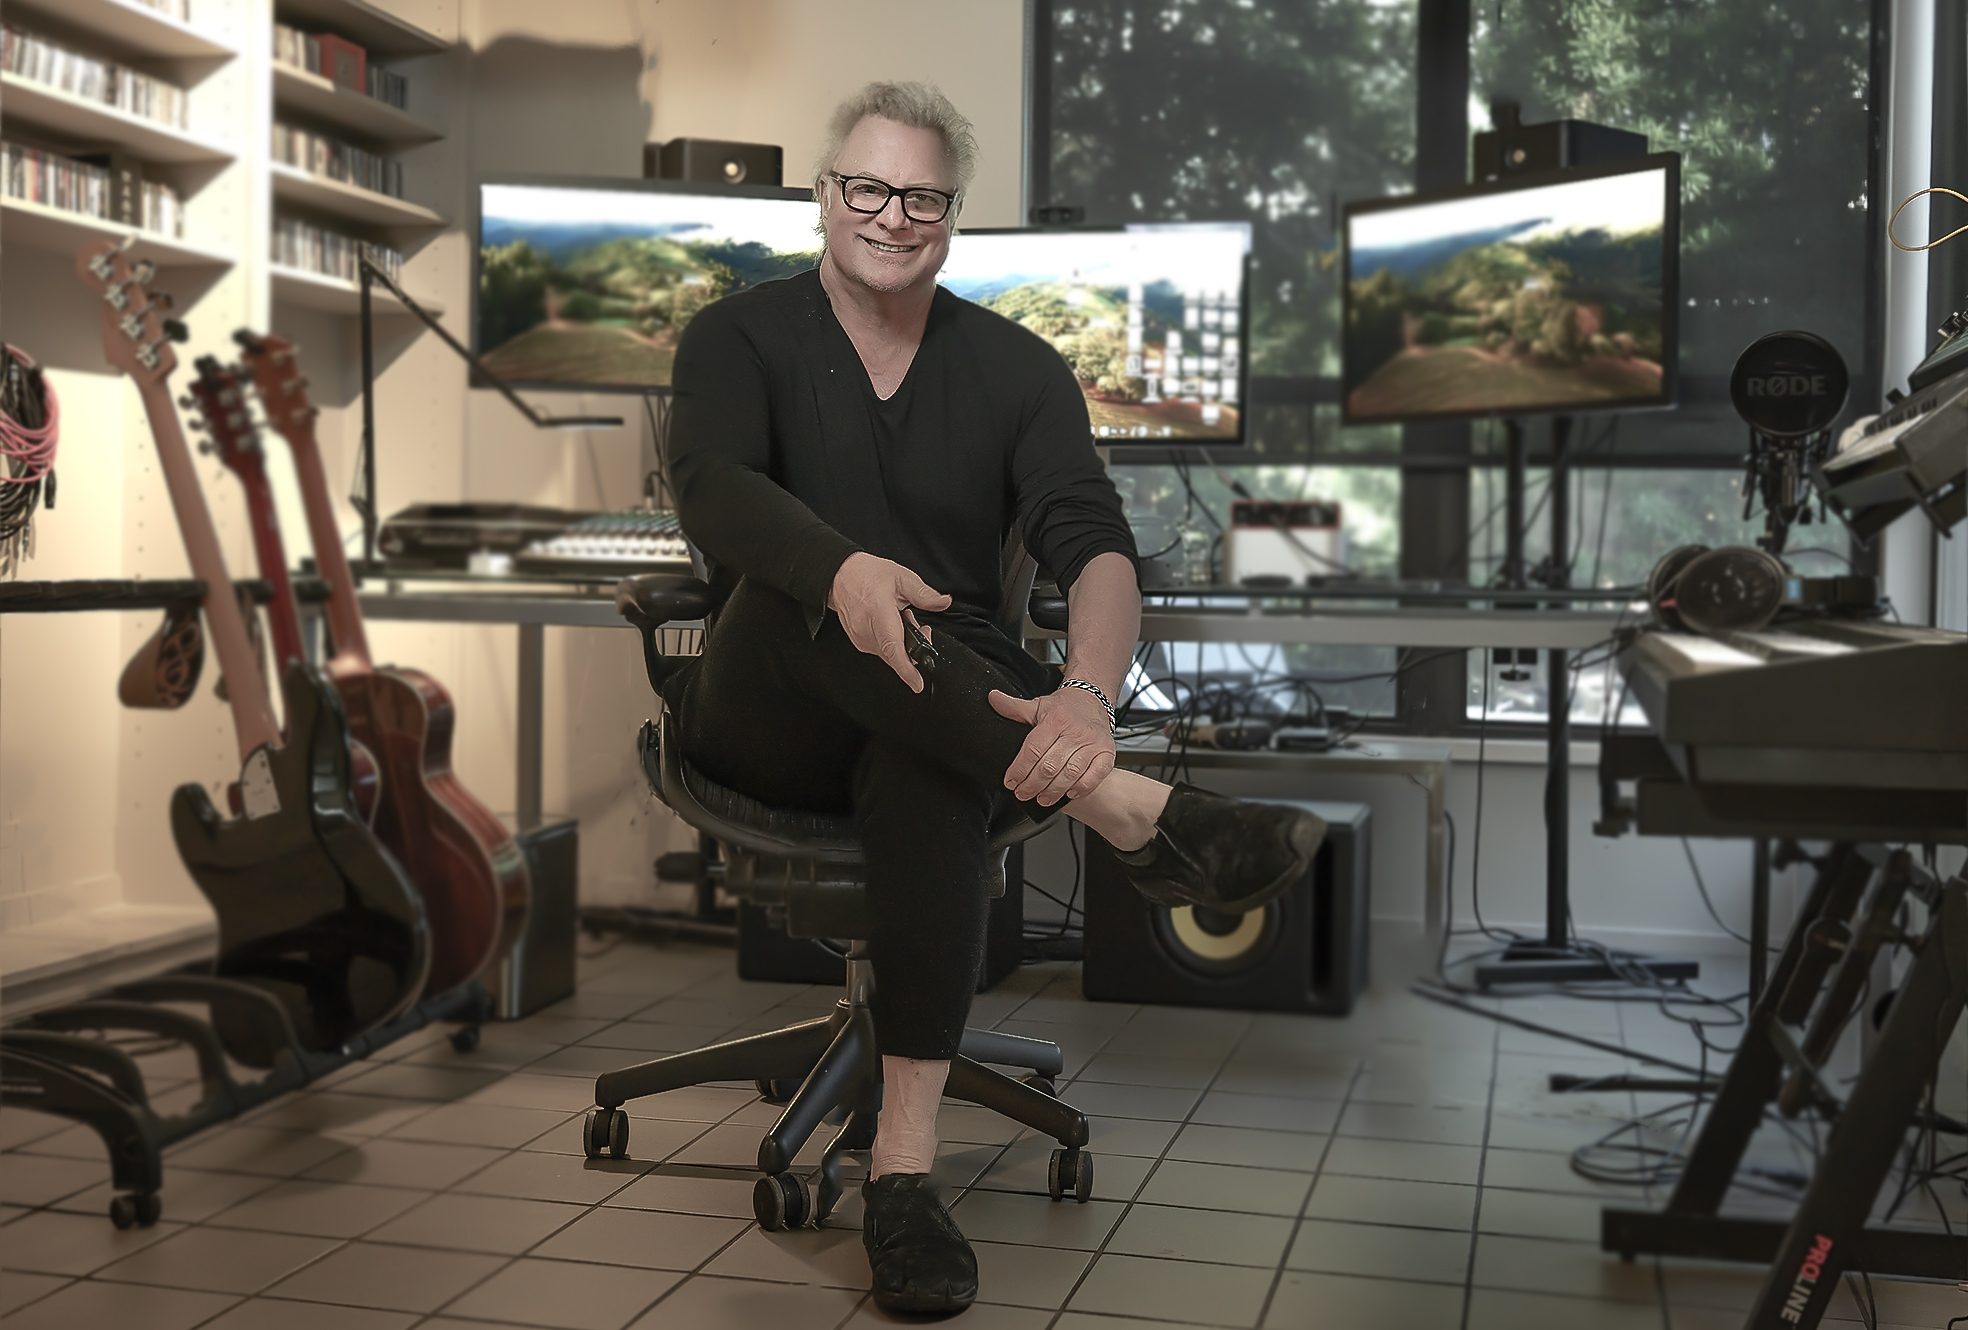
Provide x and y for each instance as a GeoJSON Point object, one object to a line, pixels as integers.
{"type": "Point", "coordinates": [311, 908]}
{"type": "Point", "coordinates": [470, 870]}
{"type": "Point", "coordinates": [230, 434]}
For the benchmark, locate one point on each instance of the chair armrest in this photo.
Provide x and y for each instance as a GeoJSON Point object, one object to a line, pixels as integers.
{"type": "Point", "coordinates": [1048, 610]}
{"type": "Point", "coordinates": [650, 600]}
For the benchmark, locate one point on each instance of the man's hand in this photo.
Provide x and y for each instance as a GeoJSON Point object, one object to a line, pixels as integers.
{"type": "Point", "coordinates": [1069, 751]}
{"type": "Point", "coordinates": [870, 595]}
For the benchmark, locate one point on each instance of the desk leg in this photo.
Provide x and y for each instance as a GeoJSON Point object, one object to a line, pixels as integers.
{"type": "Point", "coordinates": [532, 755]}
{"type": "Point", "coordinates": [1433, 905]}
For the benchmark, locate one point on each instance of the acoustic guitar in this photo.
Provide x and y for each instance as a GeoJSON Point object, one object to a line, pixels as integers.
{"type": "Point", "coordinates": [230, 433]}
{"type": "Point", "coordinates": [470, 870]}
{"type": "Point", "coordinates": [311, 908]}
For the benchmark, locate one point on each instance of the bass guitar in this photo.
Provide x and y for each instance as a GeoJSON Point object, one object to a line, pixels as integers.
{"type": "Point", "coordinates": [469, 868]}
{"type": "Point", "coordinates": [311, 908]}
{"type": "Point", "coordinates": [230, 434]}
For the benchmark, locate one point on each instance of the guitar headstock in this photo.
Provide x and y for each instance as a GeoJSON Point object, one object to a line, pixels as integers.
{"type": "Point", "coordinates": [137, 334]}
{"type": "Point", "coordinates": [219, 397]}
{"type": "Point", "coordinates": [275, 365]}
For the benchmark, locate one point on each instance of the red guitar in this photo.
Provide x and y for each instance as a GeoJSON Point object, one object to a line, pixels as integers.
{"type": "Point", "coordinates": [470, 870]}
{"type": "Point", "coordinates": [222, 407]}
{"type": "Point", "coordinates": [311, 908]}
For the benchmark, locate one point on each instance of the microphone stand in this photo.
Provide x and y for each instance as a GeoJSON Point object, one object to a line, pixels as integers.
{"type": "Point", "coordinates": [370, 274]}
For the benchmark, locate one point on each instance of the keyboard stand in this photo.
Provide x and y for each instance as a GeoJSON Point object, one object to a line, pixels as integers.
{"type": "Point", "coordinates": [1774, 1066]}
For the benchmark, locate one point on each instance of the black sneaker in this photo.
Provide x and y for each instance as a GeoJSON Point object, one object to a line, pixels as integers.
{"type": "Point", "coordinates": [919, 1260]}
{"type": "Point", "coordinates": [1223, 854]}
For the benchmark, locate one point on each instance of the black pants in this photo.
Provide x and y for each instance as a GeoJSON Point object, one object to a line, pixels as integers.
{"type": "Point", "coordinates": [809, 722]}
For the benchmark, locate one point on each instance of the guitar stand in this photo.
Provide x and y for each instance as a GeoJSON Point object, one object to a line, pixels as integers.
{"type": "Point", "coordinates": [46, 1065]}
{"type": "Point", "coordinates": [1775, 1067]}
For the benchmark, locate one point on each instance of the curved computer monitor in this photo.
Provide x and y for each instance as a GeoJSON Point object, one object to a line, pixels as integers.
{"type": "Point", "coordinates": [1154, 319]}
{"type": "Point", "coordinates": [587, 284]}
{"type": "Point", "coordinates": [1537, 293]}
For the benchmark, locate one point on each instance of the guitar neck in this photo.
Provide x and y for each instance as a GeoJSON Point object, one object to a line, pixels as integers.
{"type": "Point", "coordinates": [252, 714]}
{"type": "Point", "coordinates": [283, 612]}
{"type": "Point", "coordinates": [344, 616]}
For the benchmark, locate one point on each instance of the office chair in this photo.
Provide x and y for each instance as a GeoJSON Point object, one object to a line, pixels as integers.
{"type": "Point", "coordinates": [809, 869]}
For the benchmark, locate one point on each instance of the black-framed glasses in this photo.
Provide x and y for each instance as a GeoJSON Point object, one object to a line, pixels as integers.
{"type": "Point", "coordinates": [864, 193]}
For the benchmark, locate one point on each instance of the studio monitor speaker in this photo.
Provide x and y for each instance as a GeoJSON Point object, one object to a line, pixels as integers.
{"type": "Point", "coordinates": [1306, 951]}
{"type": "Point", "coordinates": [714, 162]}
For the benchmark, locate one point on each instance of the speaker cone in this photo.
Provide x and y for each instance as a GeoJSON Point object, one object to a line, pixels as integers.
{"type": "Point", "coordinates": [1211, 942]}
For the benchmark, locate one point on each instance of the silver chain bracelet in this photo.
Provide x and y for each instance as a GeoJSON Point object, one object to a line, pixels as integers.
{"type": "Point", "coordinates": [1094, 688]}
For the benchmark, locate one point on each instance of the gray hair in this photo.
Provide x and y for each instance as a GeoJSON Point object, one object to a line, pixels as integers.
{"type": "Point", "coordinates": [917, 105]}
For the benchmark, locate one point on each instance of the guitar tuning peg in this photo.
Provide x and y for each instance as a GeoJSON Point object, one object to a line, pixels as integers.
{"type": "Point", "coordinates": [187, 403]}
{"type": "Point", "coordinates": [144, 270]}
{"type": "Point", "coordinates": [126, 242]}
{"type": "Point", "coordinates": [163, 300]}
{"type": "Point", "coordinates": [176, 330]}
{"type": "Point", "coordinates": [207, 447]}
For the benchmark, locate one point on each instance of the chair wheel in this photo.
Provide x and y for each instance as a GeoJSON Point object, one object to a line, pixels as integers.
{"type": "Point", "coordinates": [137, 1210]}
{"type": "Point", "coordinates": [465, 1040]}
{"type": "Point", "coordinates": [1043, 1084]}
{"type": "Point", "coordinates": [780, 1201]}
{"type": "Point", "coordinates": [605, 1132]}
{"type": "Point", "coordinates": [1071, 1170]}
{"type": "Point", "coordinates": [779, 1091]}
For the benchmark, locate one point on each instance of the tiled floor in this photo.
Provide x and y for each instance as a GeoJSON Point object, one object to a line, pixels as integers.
{"type": "Point", "coordinates": [1405, 1167]}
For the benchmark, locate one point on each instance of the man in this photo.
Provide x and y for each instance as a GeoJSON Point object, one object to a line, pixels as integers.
{"type": "Point", "coordinates": [849, 449]}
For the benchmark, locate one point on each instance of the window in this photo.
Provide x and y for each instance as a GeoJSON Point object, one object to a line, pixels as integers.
{"type": "Point", "coordinates": [1232, 109]}
{"type": "Point", "coordinates": [1770, 109]}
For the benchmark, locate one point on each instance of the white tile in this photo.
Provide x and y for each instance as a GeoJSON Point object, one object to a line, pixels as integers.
{"type": "Point", "coordinates": [1408, 1161]}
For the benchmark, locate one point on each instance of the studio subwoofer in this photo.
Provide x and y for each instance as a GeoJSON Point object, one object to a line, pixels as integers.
{"type": "Point", "coordinates": [1305, 951]}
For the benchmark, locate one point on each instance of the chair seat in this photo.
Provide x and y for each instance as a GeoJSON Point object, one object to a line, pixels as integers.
{"type": "Point", "coordinates": [820, 831]}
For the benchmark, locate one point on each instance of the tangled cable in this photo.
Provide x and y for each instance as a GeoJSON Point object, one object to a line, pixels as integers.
{"type": "Point", "coordinates": [30, 425]}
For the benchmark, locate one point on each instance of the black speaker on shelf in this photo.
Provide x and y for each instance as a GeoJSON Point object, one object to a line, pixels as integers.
{"type": "Point", "coordinates": [1306, 951]}
{"type": "Point", "coordinates": [714, 162]}
{"type": "Point", "coordinates": [765, 952]}
{"type": "Point", "coordinates": [1514, 148]}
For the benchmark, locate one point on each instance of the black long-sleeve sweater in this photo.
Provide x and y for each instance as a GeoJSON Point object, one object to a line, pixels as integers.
{"type": "Point", "coordinates": [784, 461]}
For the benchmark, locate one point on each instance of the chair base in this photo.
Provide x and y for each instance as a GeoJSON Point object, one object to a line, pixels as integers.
{"type": "Point", "coordinates": [833, 1059]}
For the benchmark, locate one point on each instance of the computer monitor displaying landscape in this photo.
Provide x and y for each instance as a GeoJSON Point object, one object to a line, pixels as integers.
{"type": "Point", "coordinates": [588, 285]}
{"type": "Point", "coordinates": [1531, 294]}
{"type": "Point", "coordinates": [1153, 319]}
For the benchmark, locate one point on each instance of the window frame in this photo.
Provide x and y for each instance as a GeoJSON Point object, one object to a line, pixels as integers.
{"type": "Point", "coordinates": [1437, 458]}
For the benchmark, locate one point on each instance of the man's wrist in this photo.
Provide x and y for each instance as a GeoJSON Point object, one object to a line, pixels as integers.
{"type": "Point", "coordinates": [1098, 694]}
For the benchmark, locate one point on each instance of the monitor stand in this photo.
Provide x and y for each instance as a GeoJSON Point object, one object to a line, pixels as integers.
{"type": "Point", "coordinates": [1556, 958]}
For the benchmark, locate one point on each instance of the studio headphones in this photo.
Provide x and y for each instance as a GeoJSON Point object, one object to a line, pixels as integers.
{"type": "Point", "coordinates": [1740, 589]}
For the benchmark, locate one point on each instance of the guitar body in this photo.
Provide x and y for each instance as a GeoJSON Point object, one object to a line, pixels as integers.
{"type": "Point", "coordinates": [311, 908]}
{"type": "Point", "coordinates": [468, 868]}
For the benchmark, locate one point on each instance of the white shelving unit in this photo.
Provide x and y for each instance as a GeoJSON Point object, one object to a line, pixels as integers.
{"type": "Point", "coordinates": [57, 230]}
{"type": "Point", "coordinates": [377, 32]}
{"type": "Point", "coordinates": [293, 185]}
{"type": "Point", "coordinates": [128, 30]}
{"type": "Point", "coordinates": [49, 108]}
{"type": "Point", "coordinates": [310, 101]}
{"type": "Point", "coordinates": [334, 295]}
{"type": "Point", "coordinates": [297, 90]}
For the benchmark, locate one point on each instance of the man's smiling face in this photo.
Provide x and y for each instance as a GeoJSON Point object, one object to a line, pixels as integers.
{"type": "Point", "coordinates": [889, 251]}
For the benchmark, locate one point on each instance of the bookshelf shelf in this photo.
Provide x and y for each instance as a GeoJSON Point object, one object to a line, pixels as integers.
{"type": "Point", "coordinates": [298, 90]}
{"type": "Point", "coordinates": [351, 202]}
{"type": "Point", "coordinates": [52, 109]}
{"type": "Point", "coordinates": [38, 226]}
{"type": "Point", "coordinates": [333, 295]}
{"type": "Point", "coordinates": [131, 31]}
{"type": "Point", "coordinates": [379, 33]}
